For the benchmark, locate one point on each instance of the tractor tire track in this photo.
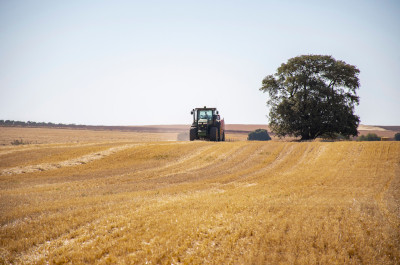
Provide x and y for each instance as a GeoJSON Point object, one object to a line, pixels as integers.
{"type": "Point", "coordinates": [66, 163]}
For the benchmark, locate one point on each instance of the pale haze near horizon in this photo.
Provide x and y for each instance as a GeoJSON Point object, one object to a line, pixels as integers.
{"type": "Point", "coordinates": [151, 62]}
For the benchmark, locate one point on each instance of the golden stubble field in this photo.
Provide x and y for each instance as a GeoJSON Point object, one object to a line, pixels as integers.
{"type": "Point", "coordinates": [140, 200]}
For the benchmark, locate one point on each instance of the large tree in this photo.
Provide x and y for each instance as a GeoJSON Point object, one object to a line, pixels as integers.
{"type": "Point", "coordinates": [311, 96]}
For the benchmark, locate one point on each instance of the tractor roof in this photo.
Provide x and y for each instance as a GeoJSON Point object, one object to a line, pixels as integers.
{"type": "Point", "coordinates": [205, 108]}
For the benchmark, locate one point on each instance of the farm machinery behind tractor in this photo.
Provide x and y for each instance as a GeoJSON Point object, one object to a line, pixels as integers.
{"type": "Point", "coordinates": [207, 125]}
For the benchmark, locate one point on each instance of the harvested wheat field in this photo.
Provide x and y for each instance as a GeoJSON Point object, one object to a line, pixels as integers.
{"type": "Point", "coordinates": [200, 203]}
{"type": "Point", "coordinates": [56, 135]}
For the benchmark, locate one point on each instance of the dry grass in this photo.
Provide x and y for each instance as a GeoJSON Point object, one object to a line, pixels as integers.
{"type": "Point", "coordinates": [56, 135]}
{"type": "Point", "coordinates": [201, 202]}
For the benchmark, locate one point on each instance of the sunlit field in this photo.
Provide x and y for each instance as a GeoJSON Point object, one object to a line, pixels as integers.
{"type": "Point", "coordinates": [52, 136]}
{"type": "Point", "coordinates": [148, 201]}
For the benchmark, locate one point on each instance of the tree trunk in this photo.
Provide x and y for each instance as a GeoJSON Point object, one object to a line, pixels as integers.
{"type": "Point", "coordinates": [308, 136]}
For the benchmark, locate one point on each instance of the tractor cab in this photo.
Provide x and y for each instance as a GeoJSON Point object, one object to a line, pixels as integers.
{"type": "Point", "coordinates": [204, 114]}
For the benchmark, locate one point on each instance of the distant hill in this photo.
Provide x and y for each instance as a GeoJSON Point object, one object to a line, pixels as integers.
{"type": "Point", "coordinates": [383, 131]}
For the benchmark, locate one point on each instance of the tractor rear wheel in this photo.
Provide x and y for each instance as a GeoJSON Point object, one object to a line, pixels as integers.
{"type": "Point", "coordinates": [213, 134]}
{"type": "Point", "coordinates": [193, 134]}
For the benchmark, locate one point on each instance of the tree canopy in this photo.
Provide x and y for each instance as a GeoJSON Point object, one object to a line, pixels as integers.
{"type": "Point", "coordinates": [311, 96]}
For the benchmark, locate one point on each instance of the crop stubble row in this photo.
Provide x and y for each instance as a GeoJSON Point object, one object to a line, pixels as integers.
{"type": "Point", "coordinates": [203, 202]}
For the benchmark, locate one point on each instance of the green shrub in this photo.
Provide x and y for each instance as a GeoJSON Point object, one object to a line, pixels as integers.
{"type": "Point", "coordinates": [334, 136]}
{"type": "Point", "coordinates": [397, 137]}
{"type": "Point", "coordinates": [259, 135]}
{"type": "Point", "coordinates": [369, 137]}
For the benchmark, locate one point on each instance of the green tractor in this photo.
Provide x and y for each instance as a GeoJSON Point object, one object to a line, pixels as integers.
{"type": "Point", "coordinates": [207, 125]}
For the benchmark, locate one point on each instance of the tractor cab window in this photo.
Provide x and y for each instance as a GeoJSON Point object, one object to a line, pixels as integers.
{"type": "Point", "coordinates": [205, 114]}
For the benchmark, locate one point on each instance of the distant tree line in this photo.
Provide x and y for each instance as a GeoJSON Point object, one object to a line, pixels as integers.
{"type": "Point", "coordinates": [12, 123]}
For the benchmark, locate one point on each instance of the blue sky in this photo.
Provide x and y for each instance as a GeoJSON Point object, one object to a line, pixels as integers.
{"type": "Point", "coordinates": [151, 62]}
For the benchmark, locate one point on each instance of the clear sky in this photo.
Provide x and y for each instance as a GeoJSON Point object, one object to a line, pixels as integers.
{"type": "Point", "coordinates": [151, 62]}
